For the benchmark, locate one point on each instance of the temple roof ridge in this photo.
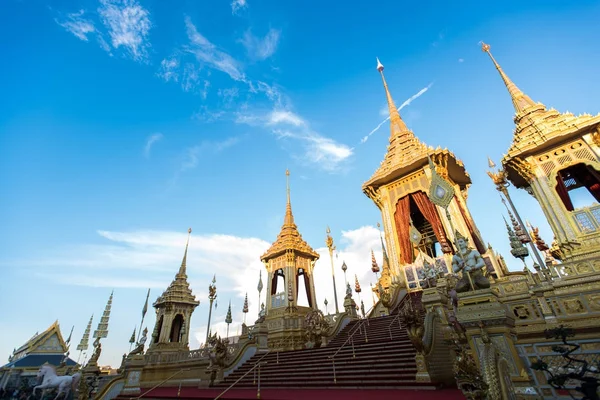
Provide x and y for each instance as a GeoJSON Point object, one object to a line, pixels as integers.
{"type": "Point", "coordinates": [289, 237]}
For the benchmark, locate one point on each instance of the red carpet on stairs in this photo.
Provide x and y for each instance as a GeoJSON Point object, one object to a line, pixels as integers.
{"type": "Point", "coordinates": [306, 394]}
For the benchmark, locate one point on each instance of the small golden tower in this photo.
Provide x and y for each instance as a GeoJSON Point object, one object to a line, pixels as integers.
{"type": "Point", "coordinates": [415, 229]}
{"type": "Point", "coordinates": [552, 156]}
{"type": "Point", "coordinates": [288, 259]}
{"type": "Point", "coordinates": [174, 310]}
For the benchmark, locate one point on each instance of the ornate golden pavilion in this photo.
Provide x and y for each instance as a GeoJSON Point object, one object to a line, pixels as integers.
{"type": "Point", "coordinates": [469, 322]}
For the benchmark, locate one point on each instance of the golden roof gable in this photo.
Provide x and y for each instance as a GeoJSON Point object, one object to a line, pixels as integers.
{"type": "Point", "coordinates": [289, 239]}
{"type": "Point", "coordinates": [32, 345]}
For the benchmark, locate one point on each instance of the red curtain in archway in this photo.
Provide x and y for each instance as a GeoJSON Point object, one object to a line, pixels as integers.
{"type": "Point", "coordinates": [402, 220]}
{"type": "Point", "coordinates": [429, 211]}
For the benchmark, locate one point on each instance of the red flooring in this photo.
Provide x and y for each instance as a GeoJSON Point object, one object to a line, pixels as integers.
{"type": "Point", "coordinates": [308, 394]}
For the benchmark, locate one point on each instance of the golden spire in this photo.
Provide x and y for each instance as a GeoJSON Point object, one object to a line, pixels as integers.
{"type": "Point", "coordinates": [404, 148]}
{"type": "Point", "coordinates": [179, 290]}
{"type": "Point", "coordinates": [182, 269]}
{"type": "Point", "coordinates": [289, 217]}
{"type": "Point", "coordinates": [289, 238]}
{"type": "Point", "coordinates": [520, 100]}
{"type": "Point", "coordinates": [397, 126]}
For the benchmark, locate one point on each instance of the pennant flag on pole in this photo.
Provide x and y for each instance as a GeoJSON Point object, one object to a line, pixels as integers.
{"type": "Point", "coordinates": [132, 339]}
{"type": "Point", "coordinates": [145, 309]}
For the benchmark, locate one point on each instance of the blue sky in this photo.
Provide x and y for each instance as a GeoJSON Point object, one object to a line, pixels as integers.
{"type": "Point", "coordinates": [123, 123]}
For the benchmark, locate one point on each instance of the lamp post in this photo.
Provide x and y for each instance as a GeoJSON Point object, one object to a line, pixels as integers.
{"type": "Point", "coordinates": [212, 295]}
{"type": "Point", "coordinates": [345, 268]}
{"type": "Point", "coordinates": [259, 288]}
{"type": "Point", "coordinates": [326, 302]}
{"type": "Point", "coordinates": [331, 247]}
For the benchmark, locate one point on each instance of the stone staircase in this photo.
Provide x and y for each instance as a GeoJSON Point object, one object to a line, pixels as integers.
{"type": "Point", "coordinates": [372, 353]}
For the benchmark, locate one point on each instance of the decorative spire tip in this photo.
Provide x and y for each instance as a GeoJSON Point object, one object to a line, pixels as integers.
{"type": "Point", "coordinates": [379, 65]}
{"type": "Point", "coordinates": [485, 47]}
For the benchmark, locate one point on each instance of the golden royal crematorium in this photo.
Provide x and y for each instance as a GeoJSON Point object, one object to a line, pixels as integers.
{"type": "Point", "coordinates": [450, 321]}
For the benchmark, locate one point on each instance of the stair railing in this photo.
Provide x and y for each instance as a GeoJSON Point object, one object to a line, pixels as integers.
{"type": "Point", "coordinates": [257, 364]}
{"type": "Point", "coordinates": [396, 318]}
{"type": "Point", "coordinates": [350, 339]}
{"type": "Point", "coordinates": [165, 381]}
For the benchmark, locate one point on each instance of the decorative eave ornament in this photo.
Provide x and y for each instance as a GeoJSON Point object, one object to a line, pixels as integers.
{"type": "Point", "coordinates": [414, 234]}
{"type": "Point", "coordinates": [441, 192]}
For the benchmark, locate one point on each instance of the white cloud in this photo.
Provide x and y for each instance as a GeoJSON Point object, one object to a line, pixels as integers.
{"type": "Point", "coordinates": [261, 48]}
{"type": "Point", "coordinates": [207, 53]}
{"type": "Point", "coordinates": [190, 78]}
{"type": "Point", "coordinates": [150, 142]}
{"type": "Point", "coordinates": [128, 25]}
{"type": "Point", "coordinates": [237, 5]}
{"type": "Point", "coordinates": [228, 95]}
{"type": "Point", "coordinates": [235, 260]}
{"type": "Point", "coordinates": [83, 28]}
{"type": "Point", "coordinates": [168, 69]}
{"type": "Point", "coordinates": [78, 25]}
{"type": "Point", "coordinates": [406, 103]}
{"type": "Point", "coordinates": [192, 154]}
{"type": "Point", "coordinates": [284, 117]}
{"type": "Point", "coordinates": [320, 151]}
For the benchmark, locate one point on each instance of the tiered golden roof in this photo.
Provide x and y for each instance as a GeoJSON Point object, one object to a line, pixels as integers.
{"type": "Point", "coordinates": [289, 238]}
{"type": "Point", "coordinates": [406, 152]}
{"type": "Point", "coordinates": [536, 126]}
{"type": "Point", "coordinates": [179, 290]}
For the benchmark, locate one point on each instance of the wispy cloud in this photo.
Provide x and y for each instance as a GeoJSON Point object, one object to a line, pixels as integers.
{"type": "Point", "coordinates": [192, 154]}
{"type": "Point", "coordinates": [237, 5]}
{"type": "Point", "coordinates": [83, 27]}
{"type": "Point", "coordinates": [320, 151]}
{"type": "Point", "coordinates": [207, 53]}
{"type": "Point", "coordinates": [128, 25]}
{"type": "Point", "coordinates": [150, 142]}
{"type": "Point", "coordinates": [261, 48]}
{"type": "Point", "coordinates": [169, 69]}
{"type": "Point", "coordinates": [78, 25]}
{"type": "Point", "coordinates": [406, 103]}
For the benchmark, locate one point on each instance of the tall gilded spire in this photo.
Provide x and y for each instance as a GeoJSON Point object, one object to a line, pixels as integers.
{"type": "Point", "coordinates": [179, 289]}
{"type": "Point", "coordinates": [397, 126]}
{"type": "Point", "coordinates": [404, 147]}
{"type": "Point", "coordinates": [289, 217]}
{"type": "Point", "coordinates": [289, 238]}
{"type": "Point", "coordinates": [520, 100]}
{"type": "Point", "coordinates": [182, 269]}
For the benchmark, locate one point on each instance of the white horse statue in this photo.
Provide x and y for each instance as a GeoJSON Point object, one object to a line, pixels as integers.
{"type": "Point", "coordinates": [51, 380]}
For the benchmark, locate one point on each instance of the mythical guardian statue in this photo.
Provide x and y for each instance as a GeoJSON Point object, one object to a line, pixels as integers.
{"type": "Point", "coordinates": [468, 261]}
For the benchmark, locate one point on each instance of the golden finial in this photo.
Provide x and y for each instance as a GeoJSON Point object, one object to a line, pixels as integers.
{"type": "Point", "coordinates": [287, 182]}
{"type": "Point", "coordinates": [184, 260]}
{"type": "Point", "coordinates": [491, 164]}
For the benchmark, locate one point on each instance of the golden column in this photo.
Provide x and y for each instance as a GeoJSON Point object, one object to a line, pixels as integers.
{"type": "Point", "coordinates": [331, 247]}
